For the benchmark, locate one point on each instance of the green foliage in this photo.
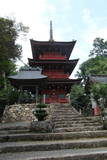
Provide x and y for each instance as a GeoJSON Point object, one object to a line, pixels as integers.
{"type": "Point", "coordinates": [8, 96]}
{"type": "Point", "coordinates": [79, 99]}
{"type": "Point", "coordinates": [9, 33]}
{"type": "Point", "coordinates": [100, 94]}
{"type": "Point", "coordinates": [40, 112]}
{"type": "Point", "coordinates": [97, 64]}
{"type": "Point", "coordinates": [26, 97]}
{"type": "Point", "coordinates": [8, 67]}
{"type": "Point", "coordinates": [41, 105]}
{"type": "Point", "coordinates": [41, 115]}
{"type": "Point", "coordinates": [10, 51]}
{"type": "Point", "coordinates": [93, 66]}
{"type": "Point", "coordinates": [100, 47]}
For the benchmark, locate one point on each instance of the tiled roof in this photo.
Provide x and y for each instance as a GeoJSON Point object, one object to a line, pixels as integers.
{"type": "Point", "coordinates": [98, 78]}
{"type": "Point", "coordinates": [28, 73]}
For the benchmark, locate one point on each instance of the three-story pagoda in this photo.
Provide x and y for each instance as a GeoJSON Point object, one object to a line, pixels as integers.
{"type": "Point", "coordinates": [53, 58]}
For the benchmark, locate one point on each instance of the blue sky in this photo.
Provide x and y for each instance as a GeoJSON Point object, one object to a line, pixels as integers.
{"type": "Point", "coordinates": [81, 20]}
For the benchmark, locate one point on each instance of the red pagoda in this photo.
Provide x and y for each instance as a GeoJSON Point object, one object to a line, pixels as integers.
{"type": "Point", "coordinates": [53, 58]}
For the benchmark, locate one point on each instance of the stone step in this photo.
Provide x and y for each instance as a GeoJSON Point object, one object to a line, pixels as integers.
{"type": "Point", "coordinates": [64, 111]}
{"type": "Point", "coordinates": [92, 156]}
{"type": "Point", "coordinates": [74, 122]}
{"type": "Point", "coordinates": [15, 126]}
{"type": "Point", "coordinates": [76, 129]}
{"type": "Point", "coordinates": [52, 136]}
{"type": "Point", "coordinates": [60, 118]}
{"type": "Point", "coordinates": [66, 115]}
{"type": "Point", "coordinates": [52, 145]}
{"type": "Point", "coordinates": [65, 107]}
{"type": "Point", "coordinates": [65, 154]}
{"type": "Point", "coordinates": [76, 125]}
{"type": "Point", "coordinates": [13, 131]}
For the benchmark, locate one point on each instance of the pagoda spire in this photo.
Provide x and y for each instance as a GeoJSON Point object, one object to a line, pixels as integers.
{"type": "Point", "coordinates": [51, 32]}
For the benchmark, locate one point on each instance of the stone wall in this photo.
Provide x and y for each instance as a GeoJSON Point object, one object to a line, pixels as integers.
{"type": "Point", "coordinates": [23, 112]}
{"type": "Point", "coordinates": [18, 112]}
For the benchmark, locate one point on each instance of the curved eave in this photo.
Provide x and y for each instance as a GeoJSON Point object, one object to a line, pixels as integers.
{"type": "Point", "coordinates": [69, 65]}
{"type": "Point", "coordinates": [27, 75]}
{"type": "Point", "coordinates": [23, 78]}
{"type": "Point", "coordinates": [26, 79]}
{"type": "Point", "coordinates": [39, 46]}
{"type": "Point", "coordinates": [27, 82]}
{"type": "Point", "coordinates": [34, 42]}
{"type": "Point", "coordinates": [64, 81]}
{"type": "Point", "coordinates": [50, 61]}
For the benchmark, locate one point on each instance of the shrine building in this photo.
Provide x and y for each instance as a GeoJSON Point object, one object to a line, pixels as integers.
{"type": "Point", "coordinates": [53, 58]}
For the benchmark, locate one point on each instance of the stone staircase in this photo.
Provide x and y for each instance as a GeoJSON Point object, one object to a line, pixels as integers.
{"type": "Point", "coordinates": [66, 119]}
{"type": "Point", "coordinates": [74, 137]}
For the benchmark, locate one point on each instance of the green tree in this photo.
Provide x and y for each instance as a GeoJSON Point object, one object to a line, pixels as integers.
{"type": "Point", "coordinates": [99, 91]}
{"type": "Point", "coordinates": [97, 64]}
{"type": "Point", "coordinates": [80, 100]}
{"type": "Point", "coordinates": [99, 48]}
{"type": "Point", "coordinates": [8, 96]}
{"type": "Point", "coordinates": [9, 33]}
{"type": "Point", "coordinates": [10, 51]}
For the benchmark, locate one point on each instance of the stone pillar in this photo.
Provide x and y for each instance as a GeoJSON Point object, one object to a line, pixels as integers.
{"type": "Point", "coordinates": [20, 95]}
{"type": "Point", "coordinates": [36, 94]}
{"type": "Point", "coordinates": [68, 98]}
{"type": "Point", "coordinates": [44, 98]}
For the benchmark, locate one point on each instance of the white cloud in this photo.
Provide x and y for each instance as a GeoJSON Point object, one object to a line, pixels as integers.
{"type": "Point", "coordinates": [86, 15]}
{"type": "Point", "coordinates": [102, 33]}
{"type": "Point", "coordinates": [91, 31]}
{"type": "Point", "coordinates": [30, 13]}
{"type": "Point", "coordinates": [37, 13]}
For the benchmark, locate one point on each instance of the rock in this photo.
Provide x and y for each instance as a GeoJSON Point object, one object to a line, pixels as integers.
{"type": "Point", "coordinates": [18, 112]}
{"type": "Point", "coordinates": [41, 126]}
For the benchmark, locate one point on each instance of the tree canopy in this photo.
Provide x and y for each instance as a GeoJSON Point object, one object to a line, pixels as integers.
{"type": "Point", "coordinates": [10, 51]}
{"type": "Point", "coordinates": [97, 64]}
{"type": "Point", "coordinates": [80, 100]}
{"type": "Point", "coordinates": [9, 33]}
{"type": "Point", "coordinates": [99, 47]}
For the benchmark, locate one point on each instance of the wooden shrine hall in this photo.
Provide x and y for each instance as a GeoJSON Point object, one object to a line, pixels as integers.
{"type": "Point", "coordinates": [30, 79]}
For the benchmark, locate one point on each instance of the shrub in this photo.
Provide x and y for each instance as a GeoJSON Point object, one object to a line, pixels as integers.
{"type": "Point", "coordinates": [41, 105]}
{"type": "Point", "coordinates": [40, 112]}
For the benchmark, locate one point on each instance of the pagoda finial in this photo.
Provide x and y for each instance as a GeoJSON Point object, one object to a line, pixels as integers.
{"type": "Point", "coordinates": [51, 32]}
